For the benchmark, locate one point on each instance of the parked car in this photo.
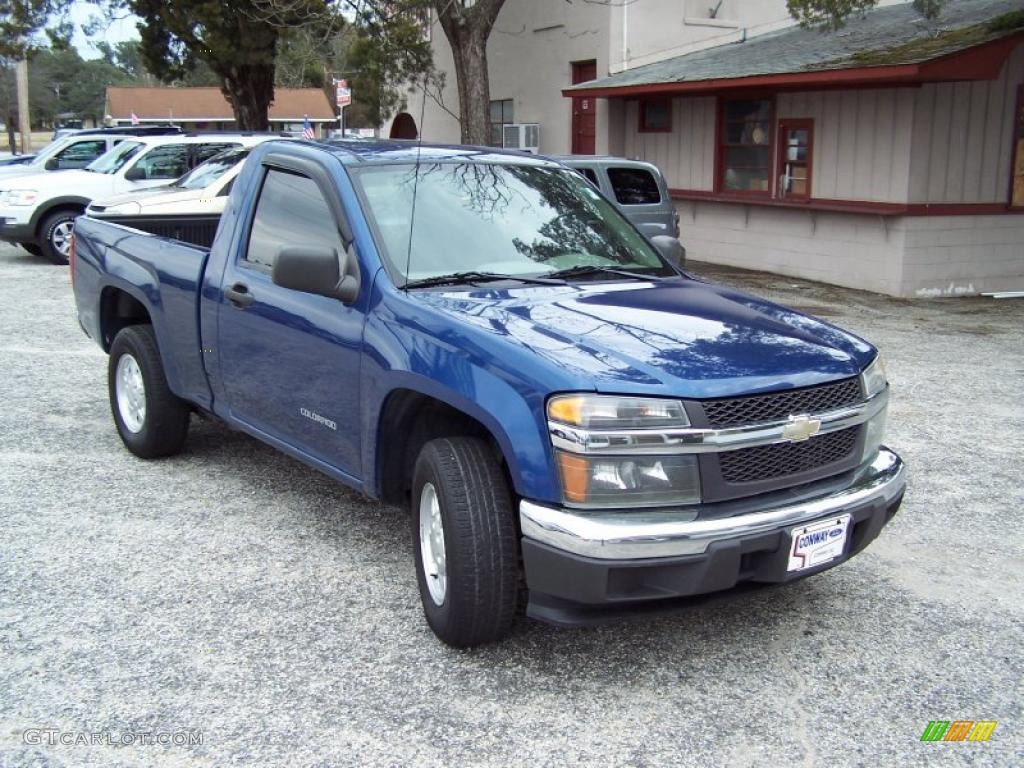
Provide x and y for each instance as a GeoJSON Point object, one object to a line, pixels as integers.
{"type": "Point", "coordinates": [77, 149]}
{"type": "Point", "coordinates": [480, 335]}
{"type": "Point", "coordinates": [636, 188]}
{"type": "Point", "coordinates": [39, 210]}
{"type": "Point", "coordinates": [188, 209]}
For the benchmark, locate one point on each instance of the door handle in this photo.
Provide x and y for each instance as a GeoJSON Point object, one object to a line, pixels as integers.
{"type": "Point", "coordinates": [238, 294]}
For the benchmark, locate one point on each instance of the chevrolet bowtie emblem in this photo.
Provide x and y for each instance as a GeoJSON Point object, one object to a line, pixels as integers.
{"type": "Point", "coordinates": [800, 428]}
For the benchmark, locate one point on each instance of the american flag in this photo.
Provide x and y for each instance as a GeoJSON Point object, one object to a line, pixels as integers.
{"type": "Point", "coordinates": [307, 129]}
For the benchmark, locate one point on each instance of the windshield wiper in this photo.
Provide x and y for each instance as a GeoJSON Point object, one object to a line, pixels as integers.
{"type": "Point", "coordinates": [456, 278]}
{"type": "Point", "coordinates": [581, 270]}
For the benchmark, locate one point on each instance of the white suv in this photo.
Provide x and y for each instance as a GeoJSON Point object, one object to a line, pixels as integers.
{"type": "Point", "coordinates": [39, 210]}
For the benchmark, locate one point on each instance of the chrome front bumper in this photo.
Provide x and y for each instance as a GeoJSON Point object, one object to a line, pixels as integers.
{"type": "Point", "coordinates": [623, 535]}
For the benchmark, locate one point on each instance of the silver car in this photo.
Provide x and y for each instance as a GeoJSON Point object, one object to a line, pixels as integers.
{"type": "Point", "coordinates": [638, 189]}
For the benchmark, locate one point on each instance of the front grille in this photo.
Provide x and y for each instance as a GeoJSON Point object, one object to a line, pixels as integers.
{"type": "Point", "coordinates": [765, 462]}
{"type": "Point", "coordinates": [775, 406]}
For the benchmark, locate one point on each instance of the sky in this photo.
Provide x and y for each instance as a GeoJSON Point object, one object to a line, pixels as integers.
{"type": "Point", "coordinates": [121, 29]}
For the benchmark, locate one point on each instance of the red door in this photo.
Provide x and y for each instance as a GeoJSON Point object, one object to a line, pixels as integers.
{"type": "Point", "coordinates": [584, 110]}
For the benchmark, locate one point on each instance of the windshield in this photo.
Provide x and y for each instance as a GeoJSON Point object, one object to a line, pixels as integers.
{"type": "Point", "coordinates": [204, 174]}
{"type": "Point", "coordinates": [507, 219]}
{"type": "Point", "coordinates": [114, 159]}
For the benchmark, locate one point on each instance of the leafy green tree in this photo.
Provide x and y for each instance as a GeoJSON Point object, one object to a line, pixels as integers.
{"type": "Point", "coordinates": [239, 46]}
{"type": "Point", "coordinates": [832, 14]}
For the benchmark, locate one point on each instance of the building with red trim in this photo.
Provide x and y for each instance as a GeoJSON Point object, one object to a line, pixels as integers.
{"type": "Point", "coordinates": [888, 155]}
{"type": "Point", "coordinates": [202, 108]}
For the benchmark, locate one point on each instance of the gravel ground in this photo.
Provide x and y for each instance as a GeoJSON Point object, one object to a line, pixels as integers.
{"type": "Point", "coordinates": [232, 592]}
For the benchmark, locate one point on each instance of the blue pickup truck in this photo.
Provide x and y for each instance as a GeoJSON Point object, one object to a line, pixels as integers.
{"type": "Point", "coordinates": [580, 430]}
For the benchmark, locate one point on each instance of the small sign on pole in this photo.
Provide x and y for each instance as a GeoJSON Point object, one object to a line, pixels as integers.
{"type": "Point", "coordinates": [342, 98]}
{"type": "Point", "coordinates": [342, 93]}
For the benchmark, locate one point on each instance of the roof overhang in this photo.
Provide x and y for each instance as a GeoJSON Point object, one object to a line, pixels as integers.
{"type": "Point", "coordinates": [981, 62]}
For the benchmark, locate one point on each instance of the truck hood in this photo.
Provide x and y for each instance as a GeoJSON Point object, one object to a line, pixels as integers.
{"type": "Point", "coordinates": [74, 182]}
{"type": "Point", "coordinates": [7, 171]}
{"type": "Point", "coordinates": [680, 337]}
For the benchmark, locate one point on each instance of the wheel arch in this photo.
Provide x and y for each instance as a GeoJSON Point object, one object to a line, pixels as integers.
{"type": "Point", "coordinates": [408, 419]}
{"type": "Point", "coordinates": [119, 309]}
{"type": "Point", "coordinates": [64, 202]}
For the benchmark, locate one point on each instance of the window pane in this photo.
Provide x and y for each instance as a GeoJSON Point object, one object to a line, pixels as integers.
{"type": "Point", "coordinates": [496, 140]}
{"type": "Point", "coordinates": [506, 111]}
{"type": "Point", "coordinates": [634, 186]}
{"type": "Point", "coordinates": [167, 162]}
{"type": "Point", "coordinates": [291, 211]}
{"type": "Point", "coordinates": [495, 111]}
{"type": "Point", "coordinates": [746, 179]}
{"type": "Point", "coordinates": [747, 157]}
{"type": "Point", "coordinates": [80, 154]}
{"type": "Point", "coordinates": [748, 110]}
{"type": "Point", "coordinates": [657, 115]}
{"type": "Point", "coordinates": [590, 176]}
{"type": "Point", "coordinates": [203, 152]}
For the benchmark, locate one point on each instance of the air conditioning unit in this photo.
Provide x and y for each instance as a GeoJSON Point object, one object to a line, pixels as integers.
{"type": "Point", "coordinates": [522, 136]}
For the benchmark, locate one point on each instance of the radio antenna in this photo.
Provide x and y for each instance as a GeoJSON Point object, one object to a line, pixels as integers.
{"type": "Point", "coordinates": [415, 182]}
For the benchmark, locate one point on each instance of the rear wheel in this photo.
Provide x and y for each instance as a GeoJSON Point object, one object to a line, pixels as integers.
{"type": "Point", "coordinates": [32, 248]}
{"type": "Point", "coordinates": [55, 235]}
{"type": "Point", "coordinates": [150, 419]}
{"type": "Point", "coordinates": [464, 538]}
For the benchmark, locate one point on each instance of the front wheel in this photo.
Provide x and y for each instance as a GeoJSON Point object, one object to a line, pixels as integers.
{"type": "Point", "coordinates": [464, 538]}
{"type": "Point", "coordinates": [55, 235]}
{"type": "Point", "coordinates": [150, 419]}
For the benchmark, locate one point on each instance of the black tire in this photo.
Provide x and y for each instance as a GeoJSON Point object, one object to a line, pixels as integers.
{"type": "Point", "coordinates": [164, 424]}
{"type": "Point", "coordinates": [48, 230]}
{"type": "Point", "coordinates": [480, 542]}
{"type": "Point", "coordinates": [32, 248]}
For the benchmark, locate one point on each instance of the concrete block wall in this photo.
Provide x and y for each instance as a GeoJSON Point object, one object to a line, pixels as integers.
{"type": "Point", "coordinates": [962, 255]}
{"type": "Point", "coordinates": [910, 256]}
{"type": "Point", "coordinates": [852, 250]}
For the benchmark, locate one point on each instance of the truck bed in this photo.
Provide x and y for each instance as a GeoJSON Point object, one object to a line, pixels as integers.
{"type": "Point", "coordinates": [161, 272]}
{"type": "Point", "coordinates": [194, 229]}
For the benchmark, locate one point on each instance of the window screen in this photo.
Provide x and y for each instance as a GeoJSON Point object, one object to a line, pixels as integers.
{"type": "Point", "coordinates": [291, 210]}
{"type": "Point", "coordinates": [634, 186]}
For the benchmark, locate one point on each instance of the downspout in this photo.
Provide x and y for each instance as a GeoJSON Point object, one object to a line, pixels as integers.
{"type": "Point", "coordinates": [625, 35]}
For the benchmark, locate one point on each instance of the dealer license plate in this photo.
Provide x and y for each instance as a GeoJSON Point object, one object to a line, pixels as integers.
{"type": "Point", "coordinates": [818, 543]}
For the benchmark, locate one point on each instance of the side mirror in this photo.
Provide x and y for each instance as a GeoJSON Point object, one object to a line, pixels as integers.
{"type": "Point", "coordinates": [52, 164]}
{"type": "Point", "coordinates": [318, 270]}
{"type": "Point", "coordinates": [135, 173]}
{"type": "Point", "coordinates": [671, 249]}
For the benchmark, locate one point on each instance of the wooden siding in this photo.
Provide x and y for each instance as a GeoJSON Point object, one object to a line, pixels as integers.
{"type": "Point", "coordinates": [686, 155]}
{"type": "Point", "coordinates": [962, 140]}
{"type": "Point", "coordinates": [861, 141]}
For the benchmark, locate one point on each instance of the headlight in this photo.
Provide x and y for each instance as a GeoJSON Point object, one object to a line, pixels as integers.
{"type": "Point", "coordinates": [21, 197]}
{"type": "Point", "coordinates": [628, 481]}
{"type": "Point", "coordinates": [633, 478]}
{"type": "Point", "coordinates": [873, 381]}
{"type": "Point", "coordinates": [122, 209]}
{"type": "Point", "coordinates": [613, 412]}
{"type": "Point", "coordinates": [873, 378]}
